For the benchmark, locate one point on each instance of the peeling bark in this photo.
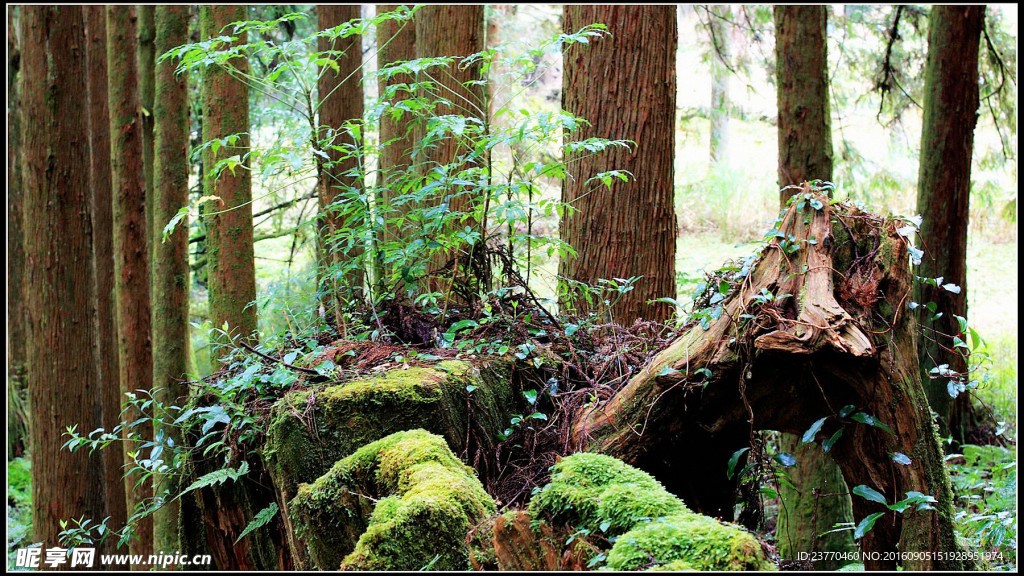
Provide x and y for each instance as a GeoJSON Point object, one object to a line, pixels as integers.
{"type": "Point", "coordinates": [794, 360]}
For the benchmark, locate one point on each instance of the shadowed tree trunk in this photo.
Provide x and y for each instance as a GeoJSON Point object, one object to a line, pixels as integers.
{"type": "Point", "coordinates": [170, 265]}
{"type": "Point", "coordinates": [717, 16]}
{"type": "Point", "coordinates": [801, 70]}
{"type": "Point", "coordinates": [229, 233]}
{"type": "Point", "coordinates": [943, 198]}
{"type": "Point", "coordinates": [454, 30]}
{"type": "Point", "coordinates": [17, 415]}
{"type": "Point", "coordinates": [625, 86]}
{"type": "Point", "coordinates": [62, 375]}
{"type": "Point", "coordinates": [818, 498]}
{"type": "Point", "coordinates": [147, 76]}
{"type": "Point", "coordinates": [340, 191]}
{"type": "Point", "coordinates": [841, 337]}
{"type": "Point", "coordinates": [131, 247]}
{"type": "Point", "coordinates": [397, 42]}
{"type": "Point", "coordinates": [101, 202]}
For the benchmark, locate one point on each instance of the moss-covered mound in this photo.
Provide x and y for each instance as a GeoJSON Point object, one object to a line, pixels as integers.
{"type": "Point", "coordinates": [311, 430]}
{"type": "Point", "coordinates": [423, 499]}
{"type": "Point", "coordinates": [653, 528]}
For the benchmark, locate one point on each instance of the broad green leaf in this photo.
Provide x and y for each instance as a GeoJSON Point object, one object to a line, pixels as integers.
{"type": "Point", "coordinates": [811, 432]}
{"type": "Point", "coordinates": [734, 459]}
{"type": "Point", "coordinates": [869, 494]}
{"type": "Point", "coordinates": [866, 524]}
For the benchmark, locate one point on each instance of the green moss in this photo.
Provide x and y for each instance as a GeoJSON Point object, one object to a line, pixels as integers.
{"type": "Point", "coordinates": [691, 539]}
{"type": "Point", "coordinates": [423, 499]}
{"type": "Point", "coordinates": [653, 528]}
{"type": "Point", "coordinates": [301, 447]}
{"type": "Point", "coordinates": [594, 490]}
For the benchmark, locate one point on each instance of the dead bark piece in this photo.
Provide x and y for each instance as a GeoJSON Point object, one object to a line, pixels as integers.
{"type": "Point", "coordinates": [776, 362]}
{"type": "Point", "coordinates": [522, 543]}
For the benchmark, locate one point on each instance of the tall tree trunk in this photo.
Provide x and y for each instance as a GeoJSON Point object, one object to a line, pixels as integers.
{"type": "Point", "coordinates": [818, 497]}
{"type": "Point", "coordinates": [717, 15]}
{"type": "Point", "coordinates": [230, 253]}
{"type": "Point", "coordinates": [147, 78]}
{"type": "Point", "coordinates": [943, 198]}
{"type": "Point", "coordinates": [62, 376]}
{"type": "Point", "coordinates": [17, 415]}
{"type": "Point", "coordinates": [170, 257]}
{"type": "Point", "coordinates": [625, 87]}
{"type": "Point", "coordinates": [102, 204]}
{"type": "Point", "coordinates": [396, 42]}
{"type": "Point", "coordinates": [131, 247]}
{"type": "Point", "coordinates": [801, 70]}
{"type": "Point", "coordinates": [455, 30]}
{"type": "Point", "coordinates": [340, 193]}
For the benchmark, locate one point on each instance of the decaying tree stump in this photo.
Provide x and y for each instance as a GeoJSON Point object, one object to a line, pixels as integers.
{"type": "Point", "coordinates": [843, 337]}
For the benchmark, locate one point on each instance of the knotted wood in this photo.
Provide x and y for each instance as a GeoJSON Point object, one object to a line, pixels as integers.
{"type": "Point", "coordinates": [843, 337]}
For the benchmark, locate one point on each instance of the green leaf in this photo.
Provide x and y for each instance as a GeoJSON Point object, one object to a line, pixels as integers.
{"type": "Point", "coordinates": [261, 519]}
{"type": "Point", "coordinates": [531, 396]}
{"type": "Point", "coordinates": [871, 421]}
{"type": "Point", "coordinates": [866, 524]}
{"type": "Point", "coordinates": [846, 410]}
{"type": "Point", "coordinates": [786, 459]}
{"type": "Point", "coordinates": [811, 432]}
{"type": "Point", "coordinates": [734, 459]}
{"type": "Point", "coordinates": [216, 477]}
{"type": "Point", "coordinates": [828, 444]}
{"type": "Point", "coordinates": [901, 458]}
{"type": "Point", "coordinates": [869, 494]}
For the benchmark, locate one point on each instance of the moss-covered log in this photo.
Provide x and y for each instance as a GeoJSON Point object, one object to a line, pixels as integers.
{"type": "Point", "coordinates": [423, 500]}
{"type": "Point", "coordinates": [310, 430]}
{"type": "Point", "coordinates": [844, 337]}
{"type": "Point", "coordinates": [609, 500]}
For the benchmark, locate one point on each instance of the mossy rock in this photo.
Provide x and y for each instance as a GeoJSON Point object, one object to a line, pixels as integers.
{"type": "Point", "coordinates": [303, 444]}
{"type": "Point", "coordinates": [404, 502]}
{"type": "Point", "coordinates": [653, 528]}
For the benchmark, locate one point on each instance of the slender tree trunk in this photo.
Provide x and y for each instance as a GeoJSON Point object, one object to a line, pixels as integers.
{"type": "Point", "coordinates": [818, 498]}
{"type": "Point", "coordinates": [101, 202]}
{"type": "Point", "coordinates": [454, 30]}
{"type": "Point", "coordinates": [943, 198]}
{"type": "Point", "coordinates": [62, 376]}
{"type": "Point", "coordinates": [230, 254]}
{"type": "Point", "coordinates": [341, 194]}
{"type": "Point", "coordinates": [131, 247]}
{"type": "Point", "coordinates": [625, 86]}
{"type": "Point", "coordinates": [719, 82]}
{"type": "Point", "coordinates": [801, 70]}
{"type": "Point", "coordinates": [17, 414]}
{"type": "Point", "coordinates": [147, 63]}
{"type": "Point", "coordinates": [170, 265]}
{"type": "Point", "coordinates": [396, 42]}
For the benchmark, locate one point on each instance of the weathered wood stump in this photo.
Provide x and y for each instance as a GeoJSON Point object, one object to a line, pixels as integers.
{"type": "Point", "coordinates": [843, 337]}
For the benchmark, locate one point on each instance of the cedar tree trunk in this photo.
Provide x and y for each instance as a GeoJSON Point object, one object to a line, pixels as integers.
{"type": "Point", "coordinates": [625, 86]}
{"type": "Point", "coordinates": [62, 375]}
{"type": "Point", "coordinates": [943, 198]}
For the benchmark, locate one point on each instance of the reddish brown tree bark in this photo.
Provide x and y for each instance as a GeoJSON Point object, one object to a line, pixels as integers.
{"type": "Point", "coordinates": [230, 253]}
{"type": "Point", "coordinates": [397, 42]}
{"type": "Point", "coordinates": [625, 87]}
{"type": "Point", "coordinates": [62, 376]}
{"type": "Point", "coordinates": [131, 248]}
{"type": "Point", "coordinates": [340, 101]}
{"type": "Point", "coordinates": [147, 76]}
{"type": "Point", "coordinates": [801, 70]}
{"type": "Point", "coordinates": [454, 30]}
{"type": "Point", "coordinates": [943, 197]}
{"type": "Point", "coordinates": [101, 202]}
{"type": "Point", "coordinates": [170, 257]}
